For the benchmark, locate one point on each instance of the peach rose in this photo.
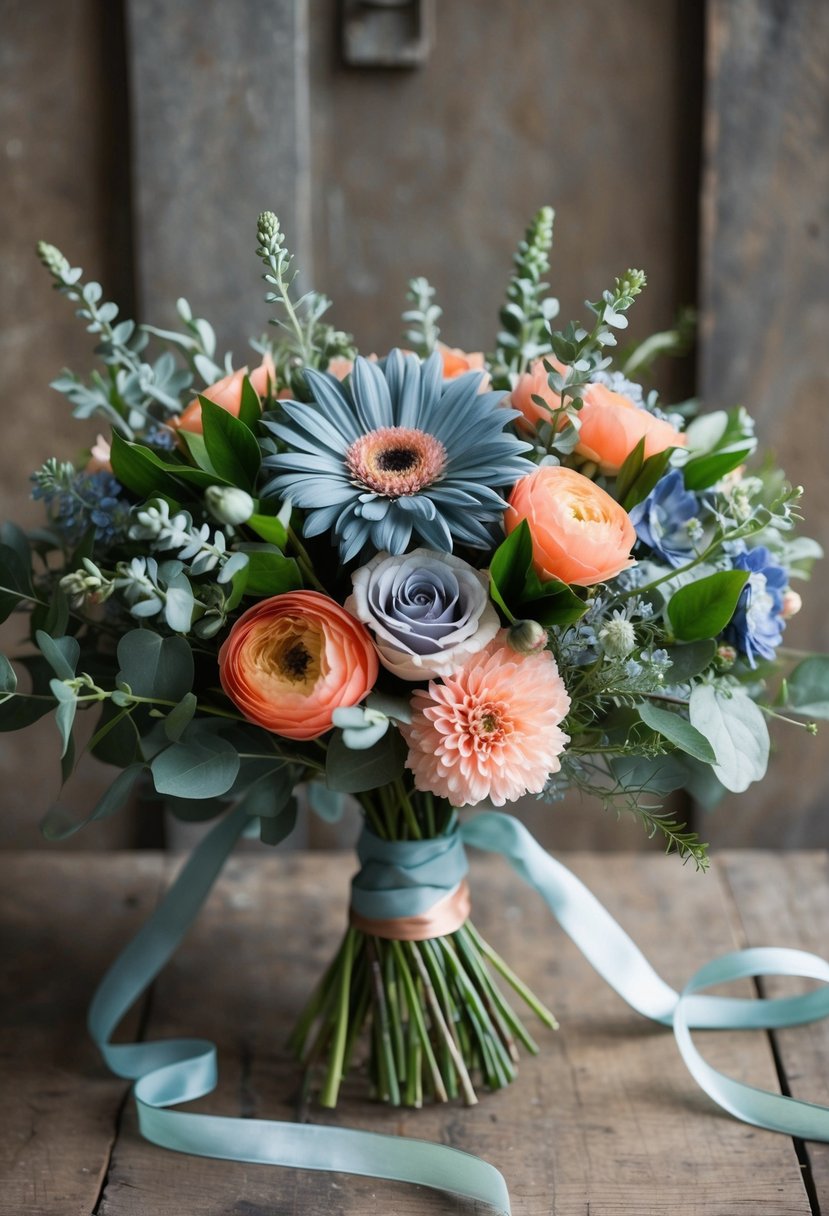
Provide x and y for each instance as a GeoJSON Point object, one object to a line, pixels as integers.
{"type": "Point", "coordinates": [580, 534]}
{"type": "Point", "coordinates": [227, 393]}
{"type": "Point", "coordinates": [293, 659]}
{"type": "Point", "coordinates": [534, 384]}
{"type": "Point", "coordinates": [611, 427]}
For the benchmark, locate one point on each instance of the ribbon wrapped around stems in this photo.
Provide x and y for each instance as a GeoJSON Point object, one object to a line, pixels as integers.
{"type": "Point", "coordinates": [173, 1071]}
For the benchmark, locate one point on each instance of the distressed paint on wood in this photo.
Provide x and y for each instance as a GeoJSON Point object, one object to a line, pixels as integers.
{"type": "Point", "coordinates": [765, 317]}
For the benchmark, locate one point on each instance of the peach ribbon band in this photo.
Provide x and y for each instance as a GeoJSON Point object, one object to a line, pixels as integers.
{"type": "Point", "coordinates": [443, 918]}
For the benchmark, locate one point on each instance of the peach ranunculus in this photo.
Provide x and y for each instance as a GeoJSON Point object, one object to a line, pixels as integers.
{"type": "Point", "coordinates": [611, 427]}
{"type": "Point", "coordinates": [534, 384]}
{"type": "Point", "coordinates": [457, 361]}
{"type": "Point", "coordinates": [610, 424]}
{"type": "Point", "coordinates": [227, 393]}
{"type": "Point", "coordinates": [580, 534]}
{"type": "Point", "coordinates": [293, 659]}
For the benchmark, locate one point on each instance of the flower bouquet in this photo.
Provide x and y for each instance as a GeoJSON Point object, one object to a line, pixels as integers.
{"type": "Point", "coordinates": [435, 581]}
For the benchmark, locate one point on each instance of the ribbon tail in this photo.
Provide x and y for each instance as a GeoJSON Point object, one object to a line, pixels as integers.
{"type": "Point", "coordinates": [172, 1071]}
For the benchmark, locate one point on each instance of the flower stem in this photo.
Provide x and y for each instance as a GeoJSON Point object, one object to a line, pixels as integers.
{"type": "Point", "coordinates": [541, 1011]}
{"type": "Point", "coordinates": [334, 1075]}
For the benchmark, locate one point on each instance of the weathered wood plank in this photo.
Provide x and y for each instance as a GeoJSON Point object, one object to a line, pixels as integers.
{"type": "Point", "coordinates": [764, 317]}
{"type": "Point", "coordinates": [63, 920]}
{"type": "Point", "coordinates": [605, 1120]}
{"type": "Point", "coordinates": [784, 900]}
{"type": "Point", "coordinates": [64, 169]}
{"type": "Point", "coordinates": [220, 131]}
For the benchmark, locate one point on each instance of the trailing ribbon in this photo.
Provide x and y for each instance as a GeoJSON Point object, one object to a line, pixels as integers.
{"type": "Point", "coordinates": [172, 1071]}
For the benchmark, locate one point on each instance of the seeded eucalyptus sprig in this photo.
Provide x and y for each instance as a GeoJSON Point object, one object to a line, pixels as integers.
{"type": "Point", "coordinates": [422, 319]}
{"type": "Point", "coordinates": [528, 310]}
{"type": "Point", "coordinates": [311, 341]}
{"type": "Point", "coordinates": [134, 393]}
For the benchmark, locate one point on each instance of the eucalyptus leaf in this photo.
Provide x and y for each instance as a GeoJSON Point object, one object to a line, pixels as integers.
{"type": "Point", "coordinates": [737, 731]}
{"type": "Point", "coordinates": [351, 772]}
{"type": "Point", "coordinates": [328, 804]}
{"type": "Point", "coordinates": [65, 713]}
{"type": "Point", "coordinates": [702, 609]}
{"type": "Point", "coordinates": [161, 668]}
{"type": "Point", "coordinates": [8, 676]}
{"type": "Point", "coordinates": [180, 717]}
{"type": "Point", "coordinates": [808, 688]}
{"type": "Point", "coordinates": [192, 769]}
{"type": "Point", "coordinates": [57, 825]}
{"type": "Point", "coordinates": [61, 654]}
{"type": "Point", "coordinates": [677, 730]}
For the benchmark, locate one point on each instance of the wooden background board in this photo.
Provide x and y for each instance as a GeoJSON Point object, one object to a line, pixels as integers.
{"type": "Point", "coordinates": [605, 1120]}
{"type": "Point", "coordinates": [145, 137]}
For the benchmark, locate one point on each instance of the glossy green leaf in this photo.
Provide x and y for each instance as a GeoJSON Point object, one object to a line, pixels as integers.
{"type": "Point", "coordinates": [231, 445]}
{"type": "Point", "coordinates": [269, 572]}
{"type": "Point", "coordinates": [250, 409]}
{"type": "Point", "coordinates": [270, 528]}
{"type": "Point", "coordinates": [517, 590]}
{"type": "Point", "coordinates": [650, 473]}
{"type": "Point", "coordinates": [702, 609]}
{"type": "Point", "coordinates": [688, 659]}
{"type": "Point", "coordinates": [630, 470]}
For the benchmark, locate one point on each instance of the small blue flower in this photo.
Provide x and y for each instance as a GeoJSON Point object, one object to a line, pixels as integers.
{"type": "Point", "coordinates": [757, 625]}
{"type": "Point", "coordinates": [661, 520]}
{"type": "Point", "coordinates": [84, 500]}
{"type": "Point", "coordinates": [397, 452]}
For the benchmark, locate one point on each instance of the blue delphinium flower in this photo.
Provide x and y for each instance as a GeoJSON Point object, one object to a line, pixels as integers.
{"type": "Point", "coordinates": [397, 452]}
{"type": "Point", "coordinates": [661, 520]}
{"type": "Point", "coordinates": [757, 625]}
{"type": "Point", "coordinates": [80, 500]}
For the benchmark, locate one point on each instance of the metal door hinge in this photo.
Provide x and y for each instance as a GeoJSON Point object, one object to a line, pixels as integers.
{"type": "Point", "coordinates": [387, 33]}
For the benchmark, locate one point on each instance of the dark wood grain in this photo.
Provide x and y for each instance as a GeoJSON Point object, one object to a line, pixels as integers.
{"type": "Point", "coordinates": [62, 920]}
{"type": "Point", "coordinates": [605, 1120]}
{"type": "Point", "coordinates": [765, 309]}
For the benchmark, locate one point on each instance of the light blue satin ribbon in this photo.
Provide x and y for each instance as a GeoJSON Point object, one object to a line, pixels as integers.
{"type": "Point", "coordinates": [172, 1071]}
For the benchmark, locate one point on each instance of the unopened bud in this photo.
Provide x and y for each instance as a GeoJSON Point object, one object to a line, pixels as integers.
{"type": "Point", "coordinates": [229, 504]}
{"type": "Point", "coordinates": [792, 603]}
{"type": "Point", "coordinates": [526, 637]}
{"type": "Point", "coordinates": [618, 637]}
{"type": "Point", "coordinates": [726, 656]}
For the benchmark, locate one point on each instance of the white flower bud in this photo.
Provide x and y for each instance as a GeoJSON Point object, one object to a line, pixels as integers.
{"type": "Point", "coordinates": [526, 637]}
{"type": "Point", "coordinates": [792, 603]}
{"type": "Point", "coordinates": [618, 637]}
{"type": "Point", "coordinates": [229, 504]}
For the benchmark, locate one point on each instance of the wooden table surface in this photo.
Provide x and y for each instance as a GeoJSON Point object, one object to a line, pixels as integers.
{"type": "Point", "coordinates": [605, 1122]}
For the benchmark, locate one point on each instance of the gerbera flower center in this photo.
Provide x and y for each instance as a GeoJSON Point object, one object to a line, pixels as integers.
{"type": "Point", "coordinates": [396, 460]}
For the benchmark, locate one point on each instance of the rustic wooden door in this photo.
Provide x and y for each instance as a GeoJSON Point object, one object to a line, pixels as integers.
{"type": "Point", "coordinates": [684, 137]}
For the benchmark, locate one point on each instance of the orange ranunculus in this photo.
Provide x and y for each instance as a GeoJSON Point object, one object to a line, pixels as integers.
{"type": "Point", "coordinates": [534, 384]}
{"type": "Point", "coordinates": [293, 659]}
{"type": "Point", "coordinates": [227, 393]}
{"type": "Point", "coordinates": [611, 427]}
{"type": "Point", "coordinates": [457, 361]}
{"type": "Point", "coordinates": [580, 534]}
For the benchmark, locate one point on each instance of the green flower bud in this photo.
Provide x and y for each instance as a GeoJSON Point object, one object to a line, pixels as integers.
{"type": "Point", "coordinates": [526, 637]}
{"type": "Point", "coordinates": [229, 505]}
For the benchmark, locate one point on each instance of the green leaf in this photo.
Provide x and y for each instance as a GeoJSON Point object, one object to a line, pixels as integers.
{"type": "Point", "coordinates": [808, 688]}
{"type": "Point", "coordinates": [54, 619]}
{"type": "Point", "coordinates": [198, 450]}
{"type": "Point", "coordinates": [147, 475]}
{"type": "Point", "coordinates": [21, 711]}
{"type": "Point", "coordinates": [116, 741]}
{"type": "Point", "coordinates": [508, 568]}
{"type": "Point", "coordinates": [8, 676]}
{"type": "Point", "coordinates": [688, 659]}
{"type": "Point", "coordinates": [551, 602]}
{"type": "Point", "coordinates": [231, 445]}
{"type": "Point", "coordinates": [65, 712]}
{"type": "Point", "coordinates": [677, 730]}
{"type": "Point", "coordinates": [192, 769]}
{"type": "Point", "coordinates": [15, 538]}
{"type": "Point", "coordinates": [269, 572]}
{"type": "Point", "coordinates": [274, 828]}
{"type": "Point", "coordinates": [659, 775]}
{"type": "Point", "coordinates": [15, 581]}
{"type": "Point", "coordinates": [156, 667]}
{"type": "Point", "coordinates": [61, 654]}
{"type": "Point", "coordinates": [351, 772]}
{"type": "Point", "coordinates": [736, 730]}
{"type": "Point", "coordinates": [630, 470]}
{"type": "Point", "coordinates": [650, 473]}
{"type": "Point", "coordinates": [717, 443]}
{"type": "Point", "coordinates": [326, 803]}
{"type": "Point", "coordinates": [704, 471]}
{"type": "Point", "coordinates": [250, 409]}
{"type": "Point", "coordinates": [57, 825]}
{"type": "Point", "coordinates": [702, 609]}
{"type": "Point", "coordinates": [192, 810]}
{"type": "Point", "coordinates": [270, 528]}
{"type": "Point", "coordinates": [179, 718]}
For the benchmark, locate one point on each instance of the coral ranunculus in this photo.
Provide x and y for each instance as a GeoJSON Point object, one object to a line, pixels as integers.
{"type": "Point", "coordinates": [457, 361]}
{"type": "Point", "coordinates": [293, 659]}
{"type": "Point", "coordinates": [491, 729]}
{"type": "Point", "coordinates": [580, 534]}
{"type": "Point", "coordinates": [611, 427]}
{"type": "Point", "coordinates": [227, 393]}
{"type": "Point", "coordinates": [534, 383]}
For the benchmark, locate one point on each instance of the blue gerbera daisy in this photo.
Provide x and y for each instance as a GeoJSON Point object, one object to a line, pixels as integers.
{"type": "Point", "coordinates": [396, 452]}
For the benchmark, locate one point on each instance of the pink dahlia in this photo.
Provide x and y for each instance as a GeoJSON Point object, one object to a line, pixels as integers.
{"type": "Point", "coordinates": [491, 729]}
